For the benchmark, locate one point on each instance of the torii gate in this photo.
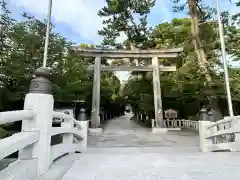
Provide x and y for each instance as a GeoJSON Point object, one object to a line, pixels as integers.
{"type": "Point", "coordinates": [135, 54]}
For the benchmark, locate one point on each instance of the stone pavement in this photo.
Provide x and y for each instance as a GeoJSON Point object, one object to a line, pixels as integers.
{"type": "Point", "coordinates": [127, 151]}
{"type": "Point", "coordinates": [123, 132]}
{"type": "Point", "coordinates": [155, 166]}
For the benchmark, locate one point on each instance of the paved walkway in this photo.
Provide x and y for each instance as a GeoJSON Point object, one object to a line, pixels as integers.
{"type": "Point", "coordinates": [123, 132]}
{"type": "Point", "coordinates": [155, 166]}
{"type": "Point", "coordinates": [127, 151]}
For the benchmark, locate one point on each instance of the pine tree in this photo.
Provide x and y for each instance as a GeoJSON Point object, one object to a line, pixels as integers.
{"type": "Point", "coordinates": [128, 17]}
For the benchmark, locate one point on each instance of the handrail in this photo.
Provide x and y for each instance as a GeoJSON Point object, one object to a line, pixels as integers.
{"type": "Point", "coordinates": [13, 116]}
{"type": "Point", "coordinates": [17, 142]}
{"type": "Point", "coordinates": [62, 116]}
{"type": "Point", "coordinates": [219, 133]}
{"type": "Point", "coordinates": [63, 130]}
{"type": "Point", "coordinates": [223, 121]}
{"type": "Point", "coordinates": [66, 117]}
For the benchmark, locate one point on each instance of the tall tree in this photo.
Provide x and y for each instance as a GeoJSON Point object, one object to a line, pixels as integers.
{"type": "Point", "coordinates": [6, 23]}
{"type": "Point", "coordinates": [26, 39]}
{"type": "Point", "coordinates": [127, 17]}
{"type": "Point", "coordinates": [232, 34]}
{"type": "Point", "coordinates": [200, 12]}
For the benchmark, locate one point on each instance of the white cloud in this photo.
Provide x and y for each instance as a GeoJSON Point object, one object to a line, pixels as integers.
{"type": "Point", "coordinates": [162, 10]}
{"type": "Point", "coordinates": [79, 15]}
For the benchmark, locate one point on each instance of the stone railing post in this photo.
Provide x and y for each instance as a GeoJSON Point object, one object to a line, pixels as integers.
{"type": "Point", "coordinates": [110, 114]}
{"type": "Point", "coordinates": [153, 123]}
{"type": "Point", "coordinates": [67, 138]}
{"type": "Point", "coordinates": [40, 100]}
{"type": "Point", "coordinates": [210, 116]}
{"type": "Point", "coordinates": [82, 115]}
{"type": "Point", "coordinates": [82, 145]}
{"type": "Point", "coordinates": [106, 115]}
{"type": "Point", "coordinates": [102, 116]}
{"type": "Point", "coordinates": [203, 122]}
{"type": "Point", "coordinates": [236, 126]}
{"type": "Point", "coordinates": [204, 114]}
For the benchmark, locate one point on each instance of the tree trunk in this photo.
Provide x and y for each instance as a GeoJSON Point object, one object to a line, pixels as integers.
{"type": "Point", "coordinates": [201, 56]}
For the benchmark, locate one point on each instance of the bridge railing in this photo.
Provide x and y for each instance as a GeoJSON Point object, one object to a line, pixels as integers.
{"type": "Point", "coordinates": [181, 123]}
{"type": "Point", "coordinates": [74, 135]}
{"type": "Point", "coordinates": [19, 140]}
{"type": "Point", "coordinates": [24, 168]}
{"type": "Point", "coordinates": [36, 154]}
{"type": "Point", "coordinates": [74, 139]}
{"type": "Point", "coordinates": [222, 135]}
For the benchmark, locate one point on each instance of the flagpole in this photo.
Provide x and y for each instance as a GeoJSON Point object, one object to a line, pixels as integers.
{"type": "Point", "coordinates": [47, 34]}
{"type": "Point", "coordinates": [225, 65]}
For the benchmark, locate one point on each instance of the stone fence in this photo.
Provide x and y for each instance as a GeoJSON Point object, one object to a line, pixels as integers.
{"type": "Point", "coordinates": [182, 124]}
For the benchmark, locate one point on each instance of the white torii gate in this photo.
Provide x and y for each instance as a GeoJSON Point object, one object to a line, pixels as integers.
{"type": "Point", "coordinates": [155, 55]}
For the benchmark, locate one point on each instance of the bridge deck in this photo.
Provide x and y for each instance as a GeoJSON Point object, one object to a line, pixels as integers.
{"type": "Point", "coordinates": [127, 151]}
{"type": "Point", "coordinates": [155, 166]}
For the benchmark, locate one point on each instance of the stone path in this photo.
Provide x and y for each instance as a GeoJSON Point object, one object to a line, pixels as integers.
{"type": "Point", "coordinates": [123, 132]}
{"type": "Point", "coordinates": [158, 166]}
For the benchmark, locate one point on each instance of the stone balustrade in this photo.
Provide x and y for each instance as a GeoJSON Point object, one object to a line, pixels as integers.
{"type": "Point", "coordinates": [36, 154]}
{"type": "Point", "coordinates": [168, 123]}
{"type": "Point", "coordinates": [222, 135]}
{"type": "Point", "coordinates": [181, 123]}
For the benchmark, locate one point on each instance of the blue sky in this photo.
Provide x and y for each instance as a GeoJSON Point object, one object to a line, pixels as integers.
{"type": "Point", "coordinates": [78, 20]}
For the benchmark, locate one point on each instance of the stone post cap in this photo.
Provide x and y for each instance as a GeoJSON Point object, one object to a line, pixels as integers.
{"type": "Point", "coordinates": [81, 101]}
{"type": "Point", "coordinates": [41, 83]}
{"type": "Point", "coordinates": [204, 114]}
{"type": "Point", "coordinates": [203, 110]}
{"type": "Point", "coordinates": [82, 110]}
{"type": "Point", "coordinates": [42, 72]}
{"type": "Point", "coordinates": [81, 115]}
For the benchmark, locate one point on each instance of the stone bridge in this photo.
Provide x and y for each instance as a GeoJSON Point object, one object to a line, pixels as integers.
{"type": "Point", "coordinates": [122, 150]}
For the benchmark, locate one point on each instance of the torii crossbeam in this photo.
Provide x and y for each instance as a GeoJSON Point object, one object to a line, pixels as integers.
{"type": "Point", "coordinates": [134, 68]}
{"type": "Point", "coordinates": [146, 54]}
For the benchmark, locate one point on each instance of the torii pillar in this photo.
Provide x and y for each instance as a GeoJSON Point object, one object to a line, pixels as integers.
{"type": "Point", "coordinates": [95, 118]}
{"type": "Point", "coordinates": [157, 94]}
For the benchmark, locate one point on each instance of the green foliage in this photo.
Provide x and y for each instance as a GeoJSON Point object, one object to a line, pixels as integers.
{"type": "Point", "coordinates": [204, 11]}
{"type": "Point", "coordinates": [128, 17]}
{"type": "Point", "coordinates": [22, 48]}
{"type": "Point", "coordinates": [22, 45]}
{"type": "Point", "coordinates": [232, 33]}
{"type": "Point", "coordinates": [187, 86]}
